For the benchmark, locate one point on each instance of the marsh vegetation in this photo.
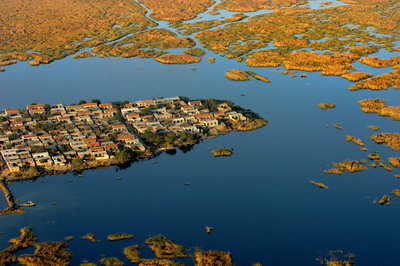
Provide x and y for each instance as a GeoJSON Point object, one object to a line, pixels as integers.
{"type": "Point", "coordinates": [237, 75]}
{"type": "Point", "coordinates": [222, 152]}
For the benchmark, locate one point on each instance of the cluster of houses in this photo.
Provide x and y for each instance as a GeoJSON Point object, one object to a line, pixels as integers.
{"type": "Point", "coordinates": [50, 135]}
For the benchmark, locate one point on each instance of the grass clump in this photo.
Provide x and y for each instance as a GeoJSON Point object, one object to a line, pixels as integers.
{"type": "Point", "coordinates": [354, 140]}
{"type": "Point", "coordinates": [90, 237]}
{"type": "Point", "coordinates": [222, 152]}
{"type": "Point", "coordinates": [325, 106]}
{"type": "Point", "coordinates": [211, 59]}
{"type": "Point", "coordinates": [84, 54]}
{"type": "Point", "coordinates": [132, 253]}
{"type": "Point", "coordinates": [213, 257]}
{"type": "Point", "coordinates": [379, 107]}
{"type": "Point", "coordinates": [119, 236]}
{"type": "Point", "coordinates": [68, 238]}
{"type": "Point", "coordinates": [258, 77]}
{"type": "Point", "coordinates": [357, 76]}
{"type": "Point", "coordinates": [237, 75]}
{"type": "Point", "coordinates": [320, 185]}
{"type": "Point", "coordinates": [178, 59]}
{"type": "Point", "coordinates": [381, 82]}
{"type": "Point", "coordinates": [375, 156]}
{"type": "Point", "coordinates": [49, 253]}
{"type": "Point", "coordinates": [395, 161]}
{"type": "Point", "coordinates": [195, 52]}
{"type": "Point", "coordinates": [375, 128]}
{"type": "Point", "coordinates": [385, 200]}
{"type": "Point", "coordinates": [396, 192]}
{"type": "Point", "coordinates": [346, 166]}
{"type": "Point", "coordinates": [385, 166]}
{"type": "Point", "coordinates": [112, 261]}
{"type": "Point", "coordinates": [165, 248]}
{"type": "Point", "coordinates": [392, 140]}
{"type": "Point", "coordinates": [337, 126]}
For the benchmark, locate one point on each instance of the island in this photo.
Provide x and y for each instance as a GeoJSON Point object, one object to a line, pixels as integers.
{"type": "Point", "coordinates": [55, 139]}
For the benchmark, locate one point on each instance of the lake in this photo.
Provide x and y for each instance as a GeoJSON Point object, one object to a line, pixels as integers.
{"type": "Point", "coordinates": [259, 201]}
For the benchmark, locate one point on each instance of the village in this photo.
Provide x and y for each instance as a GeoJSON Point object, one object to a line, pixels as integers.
{"type": "Point", "coordinates": [48, 137]}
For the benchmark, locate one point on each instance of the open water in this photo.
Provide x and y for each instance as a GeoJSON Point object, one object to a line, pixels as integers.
{"type": "Point", "coordinates": [259, 201]}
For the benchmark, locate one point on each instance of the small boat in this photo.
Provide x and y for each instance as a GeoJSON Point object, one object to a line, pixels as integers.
{"type": "Point", "coordinates": [119, 178]}
{"type": "Point", "coordinates": [154, 162]}
{"type": "Point", "coordinates": [242, 94]}
{"type": "Point", "coordinates": [53, 203]}
{"type": "Point", "coordinates": [186, 183]}
{"type": "Point", "coordinates": [80, 174]}
{"type": "Point", "coordinates": [69, 181]}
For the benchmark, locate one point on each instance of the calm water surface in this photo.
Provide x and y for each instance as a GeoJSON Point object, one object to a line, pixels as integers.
{"type": "Point", "coordinates": [259, 201]}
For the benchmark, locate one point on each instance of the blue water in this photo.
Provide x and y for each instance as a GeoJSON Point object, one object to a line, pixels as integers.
{"type": "Point", "coordinates": [259, 201]}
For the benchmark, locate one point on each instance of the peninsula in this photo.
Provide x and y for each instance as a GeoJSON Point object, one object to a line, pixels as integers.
{"type": "Point", "coordinates": [54, 139]}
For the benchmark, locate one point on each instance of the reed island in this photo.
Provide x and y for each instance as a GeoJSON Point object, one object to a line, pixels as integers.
{"type": "Point", "coordinates": [48, 139]}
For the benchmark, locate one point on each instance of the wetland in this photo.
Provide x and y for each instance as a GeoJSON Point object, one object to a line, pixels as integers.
{"type": "Point", "coordinates": [347, 50]}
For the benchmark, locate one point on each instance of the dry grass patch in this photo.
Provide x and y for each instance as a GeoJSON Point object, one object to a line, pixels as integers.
{"type": "Point", "coordinates": [320, 185]}
{"type": "Point", "coordinates": [237, 75]}
{"type": "Point", "coordinates": [379, 107]}
{"type": "Point", "coordinates": [381, 82]}
{"type": "Point", "coordinates": [258, 77]}
{"type": "Point", "coordinates": [346, 166]}
{"type": "Point", "coordinates": [222, 152]}
{"type": "Point", "coordinates": [213, 257]}
{"type": "Point", "coordinates": [325, 106]}
{"type": "Point", "coordinates": [60, 28]}
{"type": "Point", "coordinates": [195, 52]}
{"type": "Point", "coordinates": [165, 248]}
{"type": "Point", "coordinates": [392, 140]}
{"type": "Point", "coordinates": [84, 54]}
{"type": "Point", "coordinates": [178, 59]}
{"type": "Point", "coordinates": [174, 10]}
{"type": "Point", "coordinates": [379, 63]}
{"type": "Point", "coordinates": [395, 161]}
{"type": "Point", "coordinates": [354, 140]}
{"type": "Point", "coordinates": [357, 76]}
{"type": "Point", "coordinates": [119, 236]}
{"type": "Point", "coordinates": [132, 253]}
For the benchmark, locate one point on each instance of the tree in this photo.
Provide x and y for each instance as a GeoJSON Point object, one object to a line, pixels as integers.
{"type": "Point", "coordinates": [77, 163]}
{"type": "Point", "coordinates": [124, 156]}
{"type": "Point", "coordinates": [170, 138]}
{"type": "Point", "coordinates": [82, 102]}
{"type": "Point", "coordinates": [95, 101]}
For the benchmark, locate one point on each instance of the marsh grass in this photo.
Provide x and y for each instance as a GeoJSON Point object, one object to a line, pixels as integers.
{"type": "Point", "coordinates": [213, 257]}
{"type": "Point", "coordinates": [325, 106]}
{"type": "Point", "coordinates": [346, 166]}
{"type": "Point", "coordinates": [320, 185]}
{"type": "Point", "coordinates": [355, 140]}
{"type": "Point", "coordinates": [178, 59]}
{"type": "Point", "coordinates": [392, 140]}
{"type": "Point", "coordinates": [222, 152]}
{"type": "Point", "coordinates": [165, 248]}
{"type": "Point", "coordinates": [237, 75]}
{"type": "Point", "coordinates": [258, 77]}
{"type": "Point", "coordinates": [119, 236]}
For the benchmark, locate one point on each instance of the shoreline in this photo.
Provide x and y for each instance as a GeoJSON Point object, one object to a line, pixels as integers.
{"type": "Point", "coordinates": [55, 139]}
